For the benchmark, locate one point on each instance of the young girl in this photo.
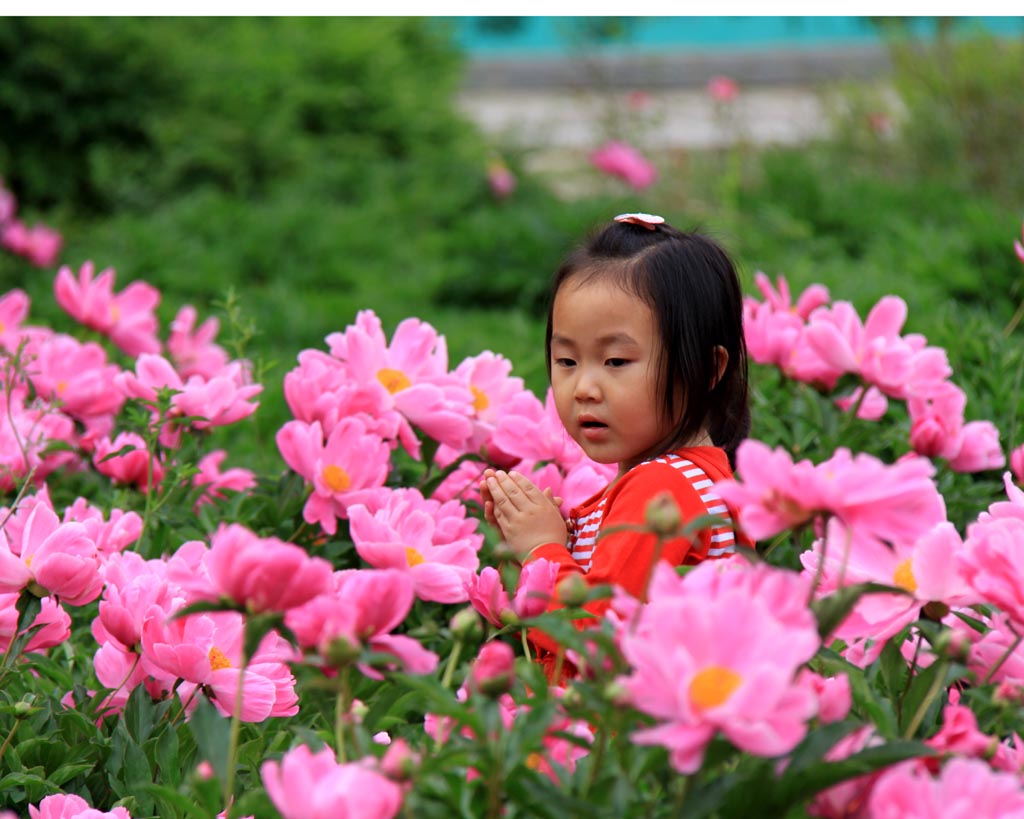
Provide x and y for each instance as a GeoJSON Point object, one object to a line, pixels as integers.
{"type": "Point", "coordinates": [648, 368]}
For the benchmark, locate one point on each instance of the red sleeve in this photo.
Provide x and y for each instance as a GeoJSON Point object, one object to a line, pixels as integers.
{"type": "Point", "coordinates": [625, 558]}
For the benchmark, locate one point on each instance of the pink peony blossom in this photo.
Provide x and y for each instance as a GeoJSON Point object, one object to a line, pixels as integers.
{"type": "Point", "coordinates": [535, 587]}
{"type": "Point", "coordinates": [206, 650]}
{"type": "Point", "coordinates": [69, 806]}
{"type": "Point", "coordinates": [489, 379]}
{"type": "Point", "coordinates": [626, 162]}
{"type": "Point", "coordinates": [897, 502]}
{"type": "Point", "coordinates": [723, 89]}
{"type": "Point", "coordinates": [410, 375]}
{"type": "Point", "coordinates": [194, 351]}
{"type": "Point", "coordinates": [56, 557]}
{"type": "Point", "coordinates": [134, 466]}
{"type": "Point", "coordinates": [307, 785]}
{"type": "Point", "coordinates": [500, 179]}
{"type": "Point", "coordinates": [75, 377]}
{"type": "Point", "coordinates": [959, 733]}
{"type": "Point", "coordinates": [39, 244]}
{"type": "Point", "coordinates": [964, 789]}
{"type": "Point", "coordinates": [992, 567]}
{"type": "Point", "coordinates": [14, 306]}
{"type": "Point", "coordinates": [871, 405]}
{"type": "Point", "coordinates": [52, 626]}
{"type": "Point", "coordinates": [1017, 464]}
{"type": "Point", "coordinates": [348, 469]}
{"type": "Point", "coordinates": [493, 671]}
{"type": "Point", "coordinates": [977, 448]}
{"type": "Point", "coordinates": [698, 676]}
{"type": "Point", "coordinates": [215, 481]}
{"type": "Point", "coordinates": [27, 430]}
{"type": "Point", "coordinates": [435, 543]}
{"type": "Point", "coordinates": [846, 800]}
{"type": "Point", "coordinates": [261, 574]}
{"type": "Point", "coordinates": [360, 610]}
{"type": "Point", "coordinates": [133, 587]}
{"type": "Point", "coordinates": [127, 318]}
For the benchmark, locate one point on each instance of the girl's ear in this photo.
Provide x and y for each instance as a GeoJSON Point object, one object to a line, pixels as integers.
{"type": "Point", "coordinates": [721, 362]}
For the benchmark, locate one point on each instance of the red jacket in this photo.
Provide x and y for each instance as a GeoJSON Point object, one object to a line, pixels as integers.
{"type": "Point", "coordinates": [625, 558]}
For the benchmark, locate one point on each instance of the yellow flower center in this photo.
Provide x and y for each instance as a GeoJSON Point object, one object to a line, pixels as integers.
{"type": "Point", "coordinates": [413, 557]}
{"type": "Point", "coordinates": [336, 478]}
{"type": "Point", "coordinates": [904, 577]}
{"type": "Point", "coordinates": [712, 686]}
{"type": "Point", "coordinates": [393, 380]}
{"type": "Point", "coordinates": [61, 386]}
{"type": "Point", "coordinates": [480, 399]}
{"type": "Point", "coordinates": [218, 660]}
{"type": "Point", "coordinates": [3, 327]}
{"type": "Point", "coordinates": [28, 561]}
{"type": "Point", "coordinates": [533, 760]}
{"type": "Point", "coordinates": [115, 313]}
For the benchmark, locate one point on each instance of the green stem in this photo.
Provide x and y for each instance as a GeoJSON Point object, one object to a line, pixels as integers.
{"type": "Point", "coordinates": [7, 741]}
{"type": "Point", "coordinates": [910, 677]}
{"type": "Point", "coordinates": [1003, 659]}
{"type": "Point", "coordinates": [236, 726]}
{"type": "Point", "coordinates": [526, 645]}
{"type": "Point", "coordinates": [680, 795]}
{"type": "Point", "coordinates": [495, 736]}
{"type": "Point", "coordinates": [341, 706]}
{"type": "Point", "coordinates": [929, 698]}
{"type": "Point", "coordinates": [453, 659]}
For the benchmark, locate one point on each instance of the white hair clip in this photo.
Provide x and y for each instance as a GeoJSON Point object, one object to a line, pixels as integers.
{"type": "Point", "coordinates": [647, 220]}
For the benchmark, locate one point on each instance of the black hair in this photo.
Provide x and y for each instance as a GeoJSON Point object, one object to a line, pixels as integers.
{"type": "Point", "coordinates": [691, 286]}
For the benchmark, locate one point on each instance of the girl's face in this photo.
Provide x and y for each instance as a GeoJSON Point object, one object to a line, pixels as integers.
{"type": "Point", "coordinates": [604, 373]}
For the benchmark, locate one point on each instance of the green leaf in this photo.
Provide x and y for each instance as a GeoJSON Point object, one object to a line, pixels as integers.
{"type": "Point", "coordinates": [170, 797]}
{"type": "Point", "coordinates": [893, 667]}
{"type": "Point", "coordinates": [67, 772]}
{"type": "Point", "coordinates": [212, 734]}
{"type": "Point", "coordinates": [832, 610]}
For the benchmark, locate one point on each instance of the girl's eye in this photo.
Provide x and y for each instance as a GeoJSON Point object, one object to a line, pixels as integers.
{"type": "Point", "coordinates": [565, 362]}
{"type": "Point", "coordinates": [616, 362]}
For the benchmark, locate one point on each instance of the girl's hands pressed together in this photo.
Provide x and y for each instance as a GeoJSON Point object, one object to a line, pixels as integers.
{"type": "Point", "coordinates": [525, 516]}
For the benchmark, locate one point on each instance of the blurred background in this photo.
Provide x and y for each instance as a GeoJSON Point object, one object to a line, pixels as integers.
{"type": "Point", "coordinates": [282, 174]}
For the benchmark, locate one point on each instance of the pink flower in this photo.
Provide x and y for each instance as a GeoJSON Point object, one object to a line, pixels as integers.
{"type": "Point", "coordinates": [26, 433]}
{"type": "Point", "coordinates": [360, 610]}
{"type": "Point", "coordinates": [936, 419]}
{"type": "Point", "coordinates": [206, 650]}
{"type": "Point", "coordinates": [262, 574]}
{"type": "Point", "coordinates": [218, 401]}
{"type": "Point", "coordinates": [959, 733]}
{"type": "Point", "coordinates": [409, 375]}
{"type": "Point", "coordinates": [39, 244]}
{"type": "Point", "coordinates": [14, 306]}
{"type": "Point", "coordinates": [978, 448]}
{"type": "Point", "coordinates": [348, 469]}
{"type": "Point", "coordinates": [8, 204]}
{"type": "Point", "coordinates": [995, 654]}
{"type": "Point", "coordinates": [871, 405]}
{"type": "Point", "coordinates": [992, 567]}
{"type": "Point", "coordinates": [489, 379]}
{"type": "Point", "coordinates": [723, 89]}
{"type": "Point", "coordinates": [194, 351]}
{"type": "Point", "coordinates": [488, 596]}
{"type": "Point", "coordinates": [56, 557]}
{"type": "Point", "coordinates": [536, 586]}
{"type": "Point", "coordinates": [76, 377]}
{"type": "Point", "coordinates": [624, 161]}
{"type": "Point", "coordinates": [128, 318]}
{"type": "Point", "coordinates": [1018, 248]}
{"type": "Point", "coordinates": [134, 466]}
{"type": "Point", "coordinates": [493, 672]}
{"type": "Point", "coordinates": [1017, 463]}
{"type": "Point", "coordinates": [51, 627]}
{"type": "Point", "coordinates": [834, 696]}
{"type": "Point", "coordinates": [697, 676]}
{"type": "Point", "coordinates": [133, 587]}
{"type": "Point", "coordinates": [435, 543]}
{"type": "Point", "coordinates": [897, 502]}
{"type": "Point", "coordinates": [307, 785]}
{"type": "Point", "coordinates": [501, 180]}
{"type": "Point", "coordinates": [964, 789]}
{"type": "Point", "coordinates": [215, 481]}
{"type": "Point", "coordinates": [69, 806]}
{"type": "Point", "coordinates": [780, 300]}
{"type": "Point", "coordinates": [547, 441]}
{"type": "Point", "coordinates": [846, 800]}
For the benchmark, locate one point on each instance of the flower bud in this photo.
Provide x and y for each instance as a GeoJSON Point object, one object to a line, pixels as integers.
{"type": "Point", "coordinates": [341, 652]}
{"type": "Point", "coordinates": [573, 590]}
{"type": "Point", "coordinates": [465, 624]}
{"type": "Point", "coordinates": [662, 515]}
{"type": "Point", "coordinates": [399, 762]}
{"type": "Point", "coordinates": [616, 693]}
{"type": "Point", "coordinates": [493, 670]}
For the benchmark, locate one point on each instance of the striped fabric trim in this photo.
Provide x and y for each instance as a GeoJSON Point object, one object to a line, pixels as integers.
{"type": "Point", "coordinates": [723, 538]}
{"type": "Point", "coordinates": [585, 531]}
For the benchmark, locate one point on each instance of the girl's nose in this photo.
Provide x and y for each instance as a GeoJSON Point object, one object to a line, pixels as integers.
{"type": "Point", "coordinates": [587, 387]}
